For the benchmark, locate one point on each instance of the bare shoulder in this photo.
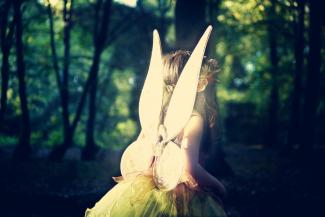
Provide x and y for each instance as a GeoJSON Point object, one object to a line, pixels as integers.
{"type": "Point", "coordinates": [193, 130]}
{"type": "Point", "coordinates": [194, 125]}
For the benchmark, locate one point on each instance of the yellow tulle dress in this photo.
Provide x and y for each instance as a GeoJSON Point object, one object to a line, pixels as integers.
{"type": "Point", "coordinates": [139, 197]}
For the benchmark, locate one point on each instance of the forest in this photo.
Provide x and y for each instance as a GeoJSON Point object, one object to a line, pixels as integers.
{"type": "Point", "coordinates": [71, 76]}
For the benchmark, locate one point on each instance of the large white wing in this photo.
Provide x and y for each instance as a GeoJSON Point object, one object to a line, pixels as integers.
{"type": "Point", "coordinates": [136, 158]}
{"type": "Point", "coordinates": [169, 167]}
{"type": "Point", "coordinates": [138, 155]}
{"type": "Point", "coordinates": [152, 91]}
{"type": "Point", "coordinates": [183, 98]}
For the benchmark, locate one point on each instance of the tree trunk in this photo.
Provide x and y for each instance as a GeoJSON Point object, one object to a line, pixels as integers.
{"type": "Point", "coordinates": [216, 164]}
{"type": "Point", "coordinates": [4, 83]}
{"type": "Point", "coordinates": [6, 41]}
{"type": "Point", "coordinates": [190, 22]}
{"type": "Point", "coordinates": [54, 53]}
{"type": "Point", "coordinates": [294, 129]}
{"type": "Point", "coordinates": [58, 152]}
{"type": "Point", "coordinates": [272, 137]}
{"type": "Point", "coordinates": [163, 8]}
{"type": "Point", "coordinates": [67, 13]}
{"type": "Point", "coordinates": [213, 9]}
{"type": "Point", "coordinates": [23, 149]}
{"type": "Point", "coordinates": [90, 149]}
{"type": "Point", "coordinates": [100, 39]}
{"type": "Point", "coordinates": [311, 98]}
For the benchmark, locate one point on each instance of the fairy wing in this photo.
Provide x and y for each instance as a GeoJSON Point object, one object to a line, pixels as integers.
{"type": "Point", "coordinates": [152, 92]}
{"type": "Point", "coordinates": [131, 162]}
{"type": "Point", "coordinates": [138, 156]}
{"type": "Point", "coordinates": [182, 101]}
{"type": "Point", "coordinates": [169, 166]}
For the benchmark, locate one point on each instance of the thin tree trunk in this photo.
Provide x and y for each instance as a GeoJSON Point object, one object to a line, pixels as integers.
{"type": "Point", "coordinates": [213, 9]}
{"type": "Point", "coordinates": [100, 39]}
{"type": "Point", "coordinates": [274, 96]}
{"type": "Point", "coordinates": [6, 42]}
{"type": "Point", "coordinates": [4, 83]}
{"type": "Point", "coordinates": [90, 149]}
{"type": "Point", "coordinates": [59, 151]}
{"type": "Point", "coordinates": [311, 98]}
{"type": "Point", "coordinates": [23, 149]}
{"type": "Point", "coordinates": [63, 90]}
{"type": "Point", "coordinates": [53, 49]}
{"type": "Point", "coordinates": [294, 129]}
{"type": "Point", "coordinates": [67, 13]}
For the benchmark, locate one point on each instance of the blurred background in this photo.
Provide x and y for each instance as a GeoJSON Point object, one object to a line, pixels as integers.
{"type": "Point", "coordinates": [72, 72]}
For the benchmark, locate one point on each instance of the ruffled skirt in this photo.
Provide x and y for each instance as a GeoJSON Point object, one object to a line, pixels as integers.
{"type": "Point", "coordinates": [139, 197]}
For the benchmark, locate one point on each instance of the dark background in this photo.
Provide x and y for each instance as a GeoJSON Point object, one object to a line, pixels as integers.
{"type": "Point", "coordinates": [71, 76]}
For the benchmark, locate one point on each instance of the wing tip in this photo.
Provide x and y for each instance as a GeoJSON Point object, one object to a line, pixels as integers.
{"type": "Point", "coordinates": [207, 32]}
{"type": "Point", "coordinates": [155, 33]}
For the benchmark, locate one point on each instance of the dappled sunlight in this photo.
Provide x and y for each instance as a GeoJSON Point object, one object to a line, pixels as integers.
{"type": "Point", "coordinates": [130, 3]}
{"type": "Point", "coordinates": [57, 5]}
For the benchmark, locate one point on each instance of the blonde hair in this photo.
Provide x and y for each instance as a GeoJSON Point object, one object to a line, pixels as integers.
{"type": "Point", "coordinates": [205, 102]}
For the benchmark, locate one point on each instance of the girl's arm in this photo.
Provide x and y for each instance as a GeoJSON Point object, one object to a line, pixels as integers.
{"type": "Point", "coordinates": [190, 148]}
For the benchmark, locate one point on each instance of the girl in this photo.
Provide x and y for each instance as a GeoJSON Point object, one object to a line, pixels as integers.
{"type": "Point", "coordinates": [198, 193]}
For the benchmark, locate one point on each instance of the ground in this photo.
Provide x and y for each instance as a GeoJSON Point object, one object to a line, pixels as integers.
{"type": "Point", "coordinates": [264, 184]}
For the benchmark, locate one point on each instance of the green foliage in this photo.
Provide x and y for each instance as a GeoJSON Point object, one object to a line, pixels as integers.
{"type": "Point", "coordinates": [54, 138]}
{"type": "Point", "coordinates": [242, 49]}
{"type": "Point", "coordinates": [8, 141]}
